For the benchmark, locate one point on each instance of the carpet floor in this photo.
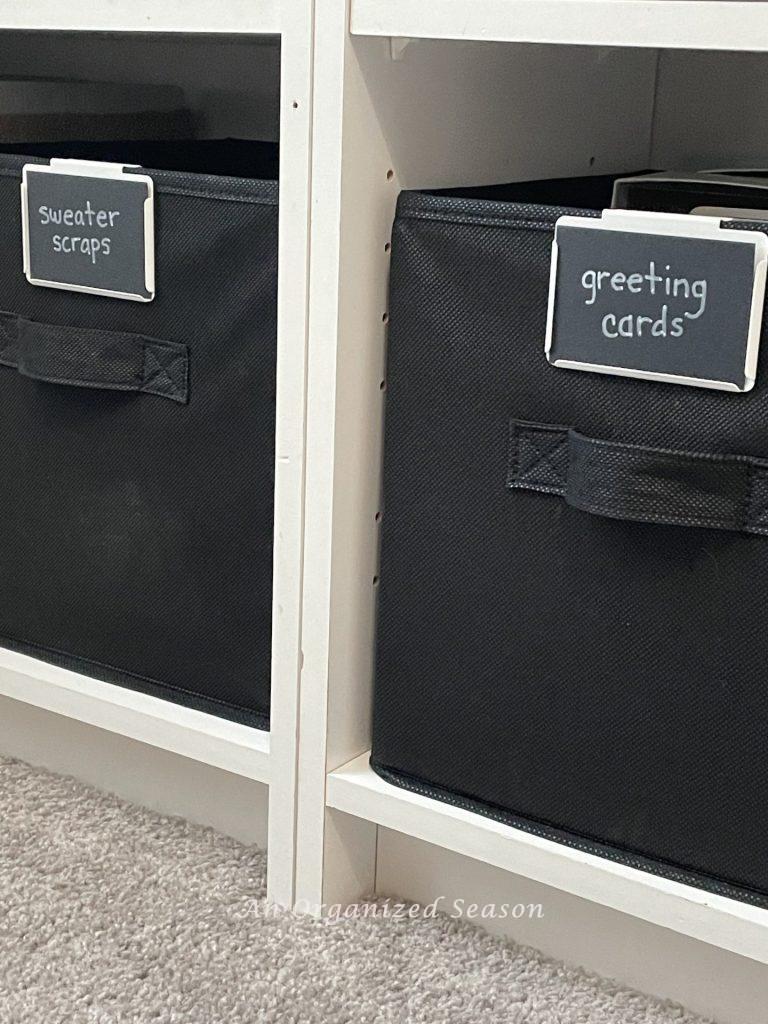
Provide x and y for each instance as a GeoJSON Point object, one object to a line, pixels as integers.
{"type": "Point", "coordinates": [111, 914]}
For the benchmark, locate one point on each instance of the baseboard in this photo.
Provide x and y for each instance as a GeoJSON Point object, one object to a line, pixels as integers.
{"type": "Point", "coordinates": [710, 981]}
{"type": "Point", "coordinates": [143, 774]}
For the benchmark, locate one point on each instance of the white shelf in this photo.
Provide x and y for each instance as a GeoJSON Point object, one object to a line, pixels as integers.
{"type": "Point", "coordinates": [729, 924]}
{"type": "Point", "coordinates": [254, 17]}
{"type": "Point", "coordinates": [215, 741]}
{"type": "Point", "coordinates": [685, 24]}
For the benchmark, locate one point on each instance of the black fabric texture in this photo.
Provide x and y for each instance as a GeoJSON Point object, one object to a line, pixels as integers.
{"type": "Point", "coordinates": [641, 484]}
{"type": "Point", "coordinates": [543, 654]}
{"type": "Point", "coordinates": [111, 360]}
{"type": "Point", "coordinates": [137, 505]}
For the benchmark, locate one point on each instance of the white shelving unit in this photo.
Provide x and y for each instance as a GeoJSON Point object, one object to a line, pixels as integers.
{"type": "Point", "coordinates": [454, 93]}
{"type": "Point", "coordinates": [376, 96]}
{"type": "Point", "coordinates": [251, 17]}
{"type": "Point", "coordinates": [248, 64]}
{"type": "Point", "coordinates": [356, 789]}
{"type": "Point", "coordinates": [205, 738]}
{"type": "Point", "coordinates": [684, 24]}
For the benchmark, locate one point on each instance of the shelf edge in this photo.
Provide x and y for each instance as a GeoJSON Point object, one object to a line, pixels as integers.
{"type": "Point", "coordinates": [253, 17]}
{"type": "Point", "coordinates": [716, 920]}
{"type": "Point", "coordinates": [675, 24]}
{"type": "Point", "coordinates": [232, 746]}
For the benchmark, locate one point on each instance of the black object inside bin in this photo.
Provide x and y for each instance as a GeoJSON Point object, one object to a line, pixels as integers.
{"type": "Point", "coordinates": [593, 193]}
{"type": "Point", "coordinates": [559, 665]}
{"type": "Point", "coordinates": [136, 541]}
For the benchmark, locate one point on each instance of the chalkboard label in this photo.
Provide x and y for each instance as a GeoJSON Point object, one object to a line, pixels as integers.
{"type": "Point", "coordinates": [657, 296]}
{"type": "Point", "coordinates": [89, 227]}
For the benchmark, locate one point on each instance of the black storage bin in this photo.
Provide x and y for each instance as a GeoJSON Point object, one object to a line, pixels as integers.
{"type": "Point", "coordinates": [137, 506]}
{"type": "Point", "coordinates": [545, 659]}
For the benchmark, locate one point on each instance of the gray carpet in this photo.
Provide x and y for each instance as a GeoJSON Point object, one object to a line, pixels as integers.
{"type": "Point", "coordinates": [112, 914]}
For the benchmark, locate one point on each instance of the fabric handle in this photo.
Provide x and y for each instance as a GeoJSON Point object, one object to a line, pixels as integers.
{"type": "Point", "coordinates": [639, 484]}
{"type": "Point", "coordinates": [88, 358]}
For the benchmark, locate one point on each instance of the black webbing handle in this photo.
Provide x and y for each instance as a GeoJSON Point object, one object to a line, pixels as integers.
{"type": "Point", "coordinates": [88, 358]}
{"type": "Point", "coordinates": [632, 482]}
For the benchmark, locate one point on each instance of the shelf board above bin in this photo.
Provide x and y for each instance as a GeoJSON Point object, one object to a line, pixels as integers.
{"type": "Point", "coordinates": [252, 17]}
{"type": "Point", "coordinates": [683, 24]}
{"type": "Point", "coordinates": [729, 924]}
{"type": "Point", "coordinates": [236, 748]}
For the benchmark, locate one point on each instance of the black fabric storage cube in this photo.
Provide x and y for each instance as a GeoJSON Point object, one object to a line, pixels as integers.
{"type": "Point", "coordinates": [136, 541]}
{"type": "Point", "coordinates": [546, 661]}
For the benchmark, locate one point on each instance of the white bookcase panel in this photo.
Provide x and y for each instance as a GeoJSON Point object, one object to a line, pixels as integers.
{"type": "Point", "coordinates": [686, 24]}
{"type": "Point", "coordinates": [212, 16]}
{"type": "Point", "coordinates": [425, 96]}
{"type": "Point", "coordinates": [245, 68]}
{"type": "Point", "coordinates": [730, 924]}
